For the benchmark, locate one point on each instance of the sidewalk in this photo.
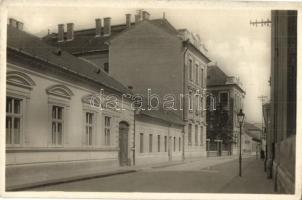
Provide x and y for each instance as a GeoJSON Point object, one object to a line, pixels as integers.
{"type": "Point", "coordinates": [178, 165]}
{"type": "Point", "coordinates": [253, 180]}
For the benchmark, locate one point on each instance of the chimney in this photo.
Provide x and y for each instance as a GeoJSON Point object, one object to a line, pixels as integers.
{"type": "Point", "coordinates": [128, 20]}
{"type": "Point", "coordinates": [13, 22]}
{"type": "Point", "coordinates": [19, 25]}
{"type": "Point", "coordinates": [137, 18]}
{"type": "Point", "coordinates": [70, 32]}
{"type": "Point", "coordinates": [98, 27]}
{"type": "Point", "coordinates": [146, 15]}
{"type": "Point", "coordinates": [60, 32]}
{"type": "Point", "coordinates": [107, 26]}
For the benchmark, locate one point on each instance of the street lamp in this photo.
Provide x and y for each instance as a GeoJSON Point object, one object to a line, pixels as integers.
{"type": "Point", "coordinates": [240, 117]}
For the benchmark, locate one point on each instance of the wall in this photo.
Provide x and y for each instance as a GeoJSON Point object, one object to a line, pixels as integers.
{"type": "Point", "coordinates": [147, 126]}
{"type": "Point", "coordinates": [36, 160]}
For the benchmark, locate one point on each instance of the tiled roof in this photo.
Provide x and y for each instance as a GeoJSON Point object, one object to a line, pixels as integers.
{"type": "Point", "coordinates": [252, 130]}
{"type": "Point", "coordinates": [35, 47]}
{"type": "Point", "coordinates": [215, 76]}
{"type": "Point", "coordinates": [86, 41]}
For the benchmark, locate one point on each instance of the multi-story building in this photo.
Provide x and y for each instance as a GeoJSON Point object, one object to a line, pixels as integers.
{"type": "Point", "coordinates": [149, 54]}
{"type": "Point", "coordinates": [58, 125]}
{"type": "Point", "coordinates": [225, 98]}
{"type": "Point", "coordinates": [281, 121]}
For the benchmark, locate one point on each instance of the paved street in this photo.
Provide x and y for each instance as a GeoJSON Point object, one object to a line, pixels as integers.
{"type": "Point", "coordinates": [192, 177]}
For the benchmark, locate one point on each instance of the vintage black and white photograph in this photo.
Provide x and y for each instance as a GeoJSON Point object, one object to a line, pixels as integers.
{"type": "Point", "coordinates": [132, 98]}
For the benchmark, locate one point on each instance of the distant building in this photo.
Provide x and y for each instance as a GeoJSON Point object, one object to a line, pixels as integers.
{"type": "Point", "coordinates": [149, 54]}
{"type": "Point", "coordinates": [225, 99]}
{"type": "Point", "coordinates": [280, 114]}
{"type": "Point", "coordinates": [251, 140]}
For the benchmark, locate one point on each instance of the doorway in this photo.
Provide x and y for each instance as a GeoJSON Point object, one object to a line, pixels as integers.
{"type": "Point", "coordinates": [123, 143]}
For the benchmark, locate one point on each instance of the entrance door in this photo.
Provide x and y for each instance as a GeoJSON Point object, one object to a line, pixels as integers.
{"type": "Point", "coordinates": [123, 143]}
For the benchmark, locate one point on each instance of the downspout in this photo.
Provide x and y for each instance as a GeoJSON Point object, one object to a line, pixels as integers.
{"type": "Point", "coordinates": [134, 137]}
{"type": "Point", "coordinates": [184, 89]}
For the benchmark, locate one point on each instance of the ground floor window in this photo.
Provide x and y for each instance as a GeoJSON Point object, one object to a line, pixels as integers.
{"type": "Point", "coordinates": [174, 144]}
{"type": "Point", "coordinates": [57, 125]}
{"type": "Point", "coordinates": [179, 144]}
{"type": "Point", "coordinates": [141, 143]}
{"type": "Point", "coordinates": [166, 143]}
{"type": "Point", "coordinates": [13, 120]}
{"type": "Point", "coordinates": [190, 134]}
{"type": "Point", "coordinates": [196, 135]}
{"type": "Point", "coordinates": [107, 130]}
{"type": "Point", "coordinates": [158, 143]}
{"type": "Point", "coordinates": [89, 128]}
{"type": "Point", "coordinates": [150, 142]}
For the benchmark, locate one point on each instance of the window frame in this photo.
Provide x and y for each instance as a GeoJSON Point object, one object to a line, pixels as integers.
{"type": "Point", "coordinates": [150, 143]}
{"type": "Point", "coordinates": [107, 139]}
{"type": "Point", "coordinates": [13, 116]}
{"type": "Point", "coordinates": [141, 143]}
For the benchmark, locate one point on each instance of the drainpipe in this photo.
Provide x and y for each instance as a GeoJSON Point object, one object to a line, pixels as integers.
{"type": "Point", "coordinates": [134, 137]}
{"type": "Point", "coordinates": [184, 89]}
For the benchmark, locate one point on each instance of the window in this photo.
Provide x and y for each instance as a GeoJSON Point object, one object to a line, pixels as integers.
{"type": "Point", "coordinates": [150, 142]}
{"type": "Point", "coordinates": [196, 74]}
{"type": "Point", "coordinates": [174, 144]}
{"type": "Point", "coordinates": [89, 128]}
{"type": "Point", "coordinates": [190, 134]}
{"type": "Point", "coordinates": [190, 101]}
{"type": "Point", "coordinates": [196, 135]}
{"type": "Point", "coordinates": [107, 130]}
{"type": "Point", "coordinates": [57, 125]}
{"type": "Point", "coordinates": [141, 143]}
{"type": "Point", "coordinates": [197, 106]}
{"type": "Point", "coordinates": [190, 70]}
{"type": "Point", "coordinates": [165, 138]}
{"type": "Point", "coordinates": [106, 67]}
{"type": "Point", "coordinates": [179, 144]}
{"type": "Point", "coordinates": [201, 77]}
{"type": "Point", "coordinates": [158, 143]}
{"type": "Point", "coordinates": [13, 120]}
{"type": "Point", "coordinates": [223, 99]}
{"type": "Point", "coordinates": [201, 135]}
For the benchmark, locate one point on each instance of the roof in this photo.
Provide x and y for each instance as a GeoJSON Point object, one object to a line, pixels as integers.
{"type": "Point", "coordinates": [33, 46]}
{"type": "Point", "coordinates": [85, 40]}
{"type": "Point", "coordinates": [252, 131]}
{"type": "Point", "coordinates": [215, 76]}
{"type": "Point", "coordinates": [166, 116]}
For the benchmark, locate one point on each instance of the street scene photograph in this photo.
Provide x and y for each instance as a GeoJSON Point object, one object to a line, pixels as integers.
{"type": "Point", "coordinates": [150, 99]}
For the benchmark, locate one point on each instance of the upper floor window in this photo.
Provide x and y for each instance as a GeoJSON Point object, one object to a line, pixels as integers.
{"type": "Point", "coordinates": [57, 125]}
{"type": "Point", "coordinates": [224, 99]}
{"type": "Point", "coordinates": [201, 77]}
{"type": "Point", "coordinates": [196, 74]}
{"type": "Point", "coordinates": [190, 70]}
{"type": "Point", "coordinates": [107, 130]}
{"type": "Point", "coordinates": [13, 120]}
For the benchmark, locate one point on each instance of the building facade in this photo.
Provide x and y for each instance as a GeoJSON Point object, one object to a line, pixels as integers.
{"type": "Point", "coordinates": [150, 54]}
{"type": "Point", "coordinates": [281, 121]}
{"type": "Point", "coordinates": [225, 98]}
{"type": "Point", "coordinates": [65, 118]}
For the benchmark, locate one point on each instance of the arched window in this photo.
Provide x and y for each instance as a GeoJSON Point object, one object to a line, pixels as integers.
{"type": "Point", "coordinates": [58, 102]}
{"type": "Point", "coordinates": [19, 86]}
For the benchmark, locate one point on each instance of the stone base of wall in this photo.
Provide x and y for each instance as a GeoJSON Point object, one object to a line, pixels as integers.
{"type": "Point", "coordinates": [21, 176]}
{"type": "Point", "coordinates": [284, 183]}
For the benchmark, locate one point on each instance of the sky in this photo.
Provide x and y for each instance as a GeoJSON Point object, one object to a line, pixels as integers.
{"type": "Point", "coordinates": [238, 48]}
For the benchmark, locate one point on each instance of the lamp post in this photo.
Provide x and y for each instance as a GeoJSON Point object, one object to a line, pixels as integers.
{"type": "Point", "coordinates": [240, 117]}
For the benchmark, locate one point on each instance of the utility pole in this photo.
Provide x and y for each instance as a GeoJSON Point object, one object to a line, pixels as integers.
{"type": "Point", "coordinates": [261, 22]}
{"type": "Point", "coordinates": [262, 98]}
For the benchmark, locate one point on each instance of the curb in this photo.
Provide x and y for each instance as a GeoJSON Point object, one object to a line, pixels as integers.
{"type": "Point", "coordinates": [67, 180]}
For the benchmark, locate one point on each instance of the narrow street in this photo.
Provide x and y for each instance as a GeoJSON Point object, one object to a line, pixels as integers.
{"type": "Point", "coordinates": [192, 177]}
